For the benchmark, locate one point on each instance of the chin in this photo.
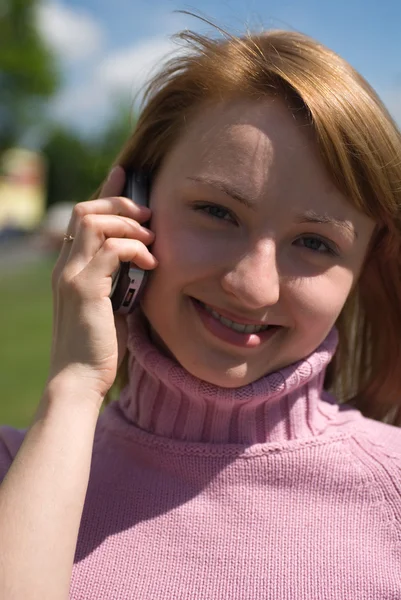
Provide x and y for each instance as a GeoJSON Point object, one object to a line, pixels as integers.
{"type": "Point", "coordinates": [231, 378]}
{"type": "Point", "coordinates": [210, 364]}
{"type": "Point", "coordinates": [227, 376]}
{"type": "Point", "coordinates": [226, 372]}
{"type": "Point", "coordinates": [234, 378]}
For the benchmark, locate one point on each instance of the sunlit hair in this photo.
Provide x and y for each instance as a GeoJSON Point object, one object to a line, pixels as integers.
{"type": "Point", "coordinates": [360, 146]}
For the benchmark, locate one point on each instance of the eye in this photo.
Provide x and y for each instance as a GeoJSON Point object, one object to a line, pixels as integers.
{"type": "Point", "coordinates": [216, 211]}
{"type": "Point", "coordinates": [315, 244]}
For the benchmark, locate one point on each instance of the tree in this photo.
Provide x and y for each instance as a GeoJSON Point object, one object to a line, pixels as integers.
{"type": "Point", "coordinates": [76, 165]}
{"type": "Point", "coordinates": [28, 70]}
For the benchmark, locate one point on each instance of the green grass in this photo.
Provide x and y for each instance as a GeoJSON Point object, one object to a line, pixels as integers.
{"type": "Point", "coordinates": [25, 326]}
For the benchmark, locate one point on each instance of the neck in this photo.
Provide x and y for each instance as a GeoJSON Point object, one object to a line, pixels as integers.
{"type": "Point", "coordinates": [164, 399]}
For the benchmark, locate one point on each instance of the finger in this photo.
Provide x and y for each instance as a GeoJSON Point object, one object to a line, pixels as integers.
{"type": "Point", "coordinates": [113, 186]}
{"type": "Point", "coordinates": [110, 202]}
{"type": "Point", "coordinates": [95, 229]}
{"type": "Point", "coordinates": [94, 282]}
{"type": "Point", "coordinates": [116, 250]}
{"type": "Point", "coordinates": [115, 205]}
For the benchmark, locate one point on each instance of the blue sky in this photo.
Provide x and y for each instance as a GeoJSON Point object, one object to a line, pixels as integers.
{"type": "Point", "coordinates": [107, 48]}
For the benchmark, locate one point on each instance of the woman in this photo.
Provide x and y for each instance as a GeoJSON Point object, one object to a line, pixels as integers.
{"type": "Point", "coordinates": [226, 468]}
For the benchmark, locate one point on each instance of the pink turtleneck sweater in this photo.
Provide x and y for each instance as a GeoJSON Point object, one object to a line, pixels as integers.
{"type": "Point", "coordinates": [270, 491]}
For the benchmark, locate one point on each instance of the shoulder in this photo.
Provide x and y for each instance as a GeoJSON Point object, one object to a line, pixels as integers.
{"type": "Point", "coordinates": [382, 435]}
{"type": "Point", "coordinates": [10, 442]}
{"type": "Point", "coordinates": [378, 446]}
{"type": "Point", "coordinates": [376, 451]}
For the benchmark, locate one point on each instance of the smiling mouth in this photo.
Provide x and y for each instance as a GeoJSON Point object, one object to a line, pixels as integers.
{"type": "Point", "coordinates": [233, 325]}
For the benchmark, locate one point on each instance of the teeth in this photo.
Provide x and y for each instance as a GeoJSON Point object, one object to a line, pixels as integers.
{"type": "Point", "coordinates": [235, 326]}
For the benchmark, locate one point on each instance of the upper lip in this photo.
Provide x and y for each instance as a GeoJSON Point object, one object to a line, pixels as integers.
{"type": "Point", "coordinates": [236, 318]}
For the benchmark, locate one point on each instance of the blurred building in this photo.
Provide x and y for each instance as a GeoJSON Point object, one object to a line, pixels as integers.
{"type": "Point", "coordinates": [22, 191]}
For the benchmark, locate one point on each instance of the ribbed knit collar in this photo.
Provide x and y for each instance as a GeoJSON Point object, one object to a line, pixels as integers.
{"type": "Point", "coordinates": [164, 399]}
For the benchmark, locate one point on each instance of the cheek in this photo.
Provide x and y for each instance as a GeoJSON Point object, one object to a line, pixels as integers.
{"type": "Point", "coordinates": [183, 253]}
{"type": "Point", "coordinates": [316, 302]}
{"type": "Point", "coordinates": [185, 262]}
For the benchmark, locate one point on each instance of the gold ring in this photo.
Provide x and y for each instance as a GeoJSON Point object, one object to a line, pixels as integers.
{"type": "Point", "coordinates": [68, 238]}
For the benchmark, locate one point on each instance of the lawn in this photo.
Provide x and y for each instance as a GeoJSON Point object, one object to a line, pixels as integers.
{"type": "Point", "coordinates": [25, 326]}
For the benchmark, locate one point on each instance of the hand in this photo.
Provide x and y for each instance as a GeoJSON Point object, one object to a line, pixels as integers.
{"type": "Point", "coordinates": [89, 340]}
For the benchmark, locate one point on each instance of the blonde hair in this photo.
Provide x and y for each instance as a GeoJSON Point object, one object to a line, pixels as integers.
{"type": "Point", "coordinates": [361, 149]}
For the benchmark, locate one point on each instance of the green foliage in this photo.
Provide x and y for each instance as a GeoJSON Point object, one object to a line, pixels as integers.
{"type": "Point", "coordinates": [28, 69]}
{"type": "Point", "coordinates": [29, 76]}
{"type": "Point", "coordinates": [70, 167]}
{"type": "Point", "coordinates": [77, 165]}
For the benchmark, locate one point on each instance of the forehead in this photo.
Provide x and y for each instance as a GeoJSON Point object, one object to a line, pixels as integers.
{"type": "Point", "coordinates": [258, 147]}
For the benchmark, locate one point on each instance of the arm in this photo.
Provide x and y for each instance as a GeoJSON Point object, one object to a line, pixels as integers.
{"type": "Point", "coordinates": [43, 493]}
{"type": "Point", "coordinates": [42, 496]}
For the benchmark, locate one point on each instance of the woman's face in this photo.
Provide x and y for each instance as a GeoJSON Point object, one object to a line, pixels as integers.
{"type": "Point", "coordinates": [249, 232]}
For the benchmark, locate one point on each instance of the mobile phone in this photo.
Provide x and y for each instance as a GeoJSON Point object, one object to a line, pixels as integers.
{"type": "Point", "coordinates": [128, 281]}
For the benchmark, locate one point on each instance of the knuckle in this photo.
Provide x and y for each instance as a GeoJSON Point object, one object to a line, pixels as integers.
{"type": "Point", "coordinates": [74, 285]}
{"type": "Point", "coordinates": [87, 221]}
{"type": "Point", "coordinates": [63, 282]}
{"type": "Point", "coordinates": [69, 285]}
{"type": "Point", "coordinates": [125, 203]}
{"type": "Point", "coordinates": [110, 245]}
{"type": "Point", "coordinates": [80, 210]}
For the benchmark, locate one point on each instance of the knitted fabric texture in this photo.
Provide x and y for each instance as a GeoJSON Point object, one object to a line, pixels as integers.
{"type": "Point", "coordinates": [270, 491]}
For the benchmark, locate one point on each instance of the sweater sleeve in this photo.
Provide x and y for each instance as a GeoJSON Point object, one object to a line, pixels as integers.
{"type": "Point", "coordinates": [10, 442]}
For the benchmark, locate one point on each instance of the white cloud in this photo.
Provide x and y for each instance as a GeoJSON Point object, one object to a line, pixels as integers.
{"type": "Point", "coordinates": [80, 105]}
{"type": "Point", "coordinates": [120, 74]}
{"type": "Point", "coordinates": [72, 33]}
{"type": "Point", "coordinates": [96, 75]}
{"type": "Point", "coordinates": [129, 68]}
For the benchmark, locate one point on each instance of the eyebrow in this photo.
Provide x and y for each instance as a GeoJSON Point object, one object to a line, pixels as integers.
{"type": "Point", "coordinates": [309, 216]}
{"type": "Point", "coordinates": [227, 189]}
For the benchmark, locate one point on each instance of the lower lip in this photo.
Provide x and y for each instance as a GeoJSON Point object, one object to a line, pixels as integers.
{"type": "Point", "coordinates": [244, 340]}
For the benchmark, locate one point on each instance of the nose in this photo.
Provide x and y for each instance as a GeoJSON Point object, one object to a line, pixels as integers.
{"type": "Point", "coordinates": [254, 279]}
